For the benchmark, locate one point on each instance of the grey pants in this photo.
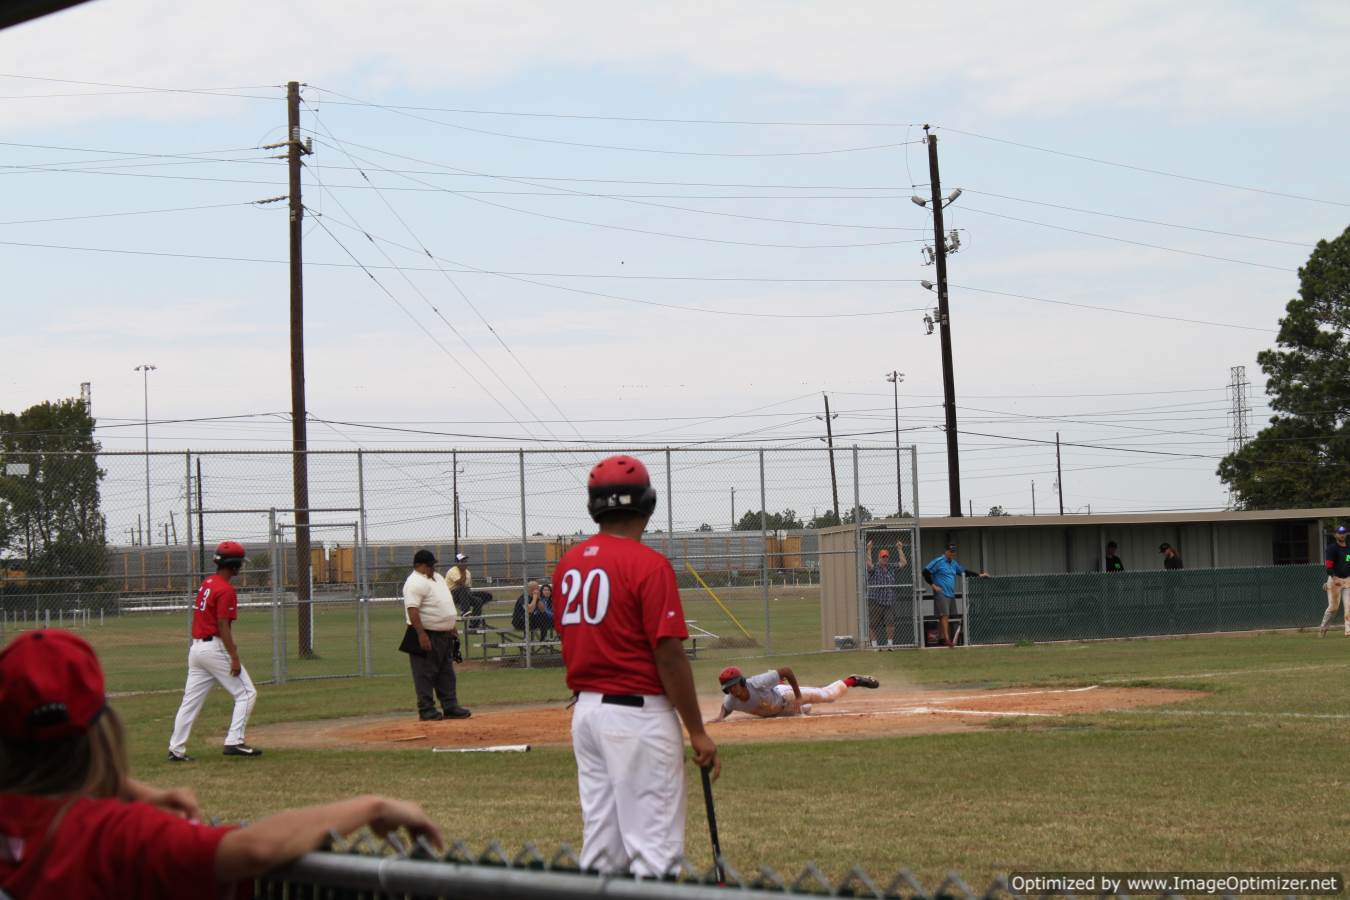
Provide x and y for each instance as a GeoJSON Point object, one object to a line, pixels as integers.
{"type": "Point", "coordinates": [434, 671]}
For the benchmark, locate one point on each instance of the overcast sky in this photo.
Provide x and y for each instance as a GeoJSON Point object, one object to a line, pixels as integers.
{"type": "Point", "coordinates": [578, 264]}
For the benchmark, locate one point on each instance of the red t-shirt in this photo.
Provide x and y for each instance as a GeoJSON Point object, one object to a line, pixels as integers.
{"type": "Point", "coordinates": [615, 599]}
{"type": "Point", "coordinates": [216, 600]}
{"type": "Point", "coordinates": [104, 848]}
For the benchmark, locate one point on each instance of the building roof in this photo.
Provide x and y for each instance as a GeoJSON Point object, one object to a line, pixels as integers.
{"type": "Point", "coordinates": [1221, 517]}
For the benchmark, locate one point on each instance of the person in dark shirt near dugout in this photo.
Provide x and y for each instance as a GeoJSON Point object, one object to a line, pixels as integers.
{"type": "Point", "coordinates": [1171, 559]}
{"type": "Point", "coordinates": [1113, 563]}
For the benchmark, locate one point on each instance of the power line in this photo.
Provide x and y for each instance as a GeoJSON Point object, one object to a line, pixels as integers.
{"type": "Point", "coordinates": [637, 300]}
{"type": "Point", "coordinates": [604, 118]}
{"type": "Point", "coordinates": [614, 147]}
{"type": "Point", "coordinates": [1113, 309]}
{"type": "Point", "coordinates": [208, 92]}
{"type": "Point", "coordinates": [463, 296]}
{"type": "Point", "coordinates": [1123, 218]}
{"type": "Point", "coordinates": [1120, 165]}
{"type": "Point", "coordinates": [627, 228]}
{"type": "Point", "coordinates": [138, 212]}
{"type": "Point", "coordinates": [554, 191]}
{"type": "Point", "coordinates": [1121, 240]}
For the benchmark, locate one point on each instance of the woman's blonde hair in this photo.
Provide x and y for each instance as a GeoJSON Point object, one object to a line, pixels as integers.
{"type": "Point", "coordinates": [92, 765]}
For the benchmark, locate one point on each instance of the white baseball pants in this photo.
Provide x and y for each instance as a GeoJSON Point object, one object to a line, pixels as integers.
{"type": "Point", "coordinates": [630, 775]}
{"type": "Point", "coordinates": [1338, 595]}
{"type": "Point", "coordinates": [208, 663]}
{"type": "Point", "coordinates": [811, 695]}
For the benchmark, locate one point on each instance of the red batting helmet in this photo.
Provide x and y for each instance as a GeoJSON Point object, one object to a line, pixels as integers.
{"type": "Point", "coordinates": [618, 483]}
{"type": "Point", "coordinates": [730, 677]}
{"type": "Point", "coordinates": [229, 552]}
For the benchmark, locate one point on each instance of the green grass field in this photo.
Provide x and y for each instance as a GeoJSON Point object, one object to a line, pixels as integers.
{"type": "Point", "coordinates": [1250, 777]}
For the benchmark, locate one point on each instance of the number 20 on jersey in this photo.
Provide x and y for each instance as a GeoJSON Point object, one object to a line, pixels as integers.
{"type": "Point", "coordinates": [585, 600]}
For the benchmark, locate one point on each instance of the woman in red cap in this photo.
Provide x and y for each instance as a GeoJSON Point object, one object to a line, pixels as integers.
{"type": "Point", "coordinates": [74, 823]}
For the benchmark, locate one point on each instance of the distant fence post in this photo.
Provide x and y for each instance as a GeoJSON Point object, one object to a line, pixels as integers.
{"type": "Point", "coordinates": [764, 549]}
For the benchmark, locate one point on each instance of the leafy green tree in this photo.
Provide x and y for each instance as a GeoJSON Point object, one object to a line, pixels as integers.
{"type": "Point", "coordinates": [55, 505]}
{"type": "Point", "coordinates": [1290, 463]}
{"type": "Point", "coordinates": [858, 514]}
{"type": "Point", "coordinates": [782, 521]}
{"type": "Point", "coordinates": [705, 527]}
{"type": "Point", "coordinates": [828, 519]}
{"type": "Point", "coordinates": [998, 511]}
{"type": "Point", "coordinates": [49, 507]}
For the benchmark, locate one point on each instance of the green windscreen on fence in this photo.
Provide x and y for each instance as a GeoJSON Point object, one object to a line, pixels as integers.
{"type": "Point", "coordinates": [1084, 606]}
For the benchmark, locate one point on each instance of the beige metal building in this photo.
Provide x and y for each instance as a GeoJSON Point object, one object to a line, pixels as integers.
{"type": "Point", "coordinates": [1035, 545]}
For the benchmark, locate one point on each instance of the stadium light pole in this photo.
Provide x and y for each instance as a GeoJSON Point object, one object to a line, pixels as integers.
{"type": "Point", "coordinates": [145, 369]}
{"type": "Point", "coordinates": [895, 378]}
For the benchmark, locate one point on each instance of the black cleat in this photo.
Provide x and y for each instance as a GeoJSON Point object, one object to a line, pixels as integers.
{"type": "Point", "coordinates": [432, 716]}
{"type": "Point", "coordinates": [457, 712]}
{"type": "Point", "coordinates": [179, 757]}
{"type": "Point", "coordinates": [241, 750]}
{"type": "Point", "coordinates": [865, 681]}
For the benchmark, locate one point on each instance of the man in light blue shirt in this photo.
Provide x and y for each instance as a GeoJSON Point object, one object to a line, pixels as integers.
{"type": "Point", "coordinates": [941, 575]}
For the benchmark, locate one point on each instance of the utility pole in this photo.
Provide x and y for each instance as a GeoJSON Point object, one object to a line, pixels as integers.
{"type": "Point", "coordinates": [295, 149]}
{"type": "Point", "coordinates": [454, 489]}
{"type": "Point", "coordinates": [829, 441]}
{"type": "Point", "coordinates": [1059, 475]}
{"type": "Point", "coordinates": [201, 525]}
{"type": "Point", "coordinates": [174, 525]}
{"type": "Point", "coordinates": [895, 378]}
{"type": "Point", "coordinates": [1033, 498]}
{"type": "Point", "coordinates": [145, 369]}
{"type": "Point", "coordinates": [733, 507]}
{"type": "Point", "coordinates": [944, 328]}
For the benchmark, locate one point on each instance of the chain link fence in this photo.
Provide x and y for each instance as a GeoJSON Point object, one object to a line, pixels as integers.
{"type": "Point", "coordinates": [1092, 606]}
{"type": "Point", "coordinates": [119, 541]}
{"type": "Point", "coordinates": [374, 869]}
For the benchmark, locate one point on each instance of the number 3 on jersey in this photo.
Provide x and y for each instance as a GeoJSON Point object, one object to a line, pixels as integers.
{"type": "Point", "coordinates": [202, 598]}
{"type": "Point", "coordinates": [586, 601]}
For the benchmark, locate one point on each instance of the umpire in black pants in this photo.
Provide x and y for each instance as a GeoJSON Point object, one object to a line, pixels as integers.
{"type": "Point", "coordinates": [431, 640]}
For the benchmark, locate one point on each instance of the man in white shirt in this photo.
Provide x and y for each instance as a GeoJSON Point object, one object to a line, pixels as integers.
{"type": "Point", "coordinates": [429, 642]}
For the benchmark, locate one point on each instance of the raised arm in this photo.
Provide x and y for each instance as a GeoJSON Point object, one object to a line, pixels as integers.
{"type": "Point", "coordinates": [276, 840]}
{"type": "Point", "coordinates": [790, 677]}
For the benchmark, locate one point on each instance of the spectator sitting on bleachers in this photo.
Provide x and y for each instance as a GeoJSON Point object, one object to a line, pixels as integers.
{"type": "Point", "coordinates": [529, 607]}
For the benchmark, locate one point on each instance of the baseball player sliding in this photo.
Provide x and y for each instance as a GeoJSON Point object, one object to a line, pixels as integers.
{"type": "Point", "coordinates": [622, 628]}
{"type": "Point", "coordinates": [1337, 559]}
{"type": "Point", "coordinates": [767, 695]}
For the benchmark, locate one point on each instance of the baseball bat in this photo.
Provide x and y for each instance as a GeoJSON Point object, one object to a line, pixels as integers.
{"type": "Point", "coordinates": [712, 824]}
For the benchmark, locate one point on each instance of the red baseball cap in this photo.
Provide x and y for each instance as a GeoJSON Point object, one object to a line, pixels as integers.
{"type": "Point", "coordinates": [51, 687]}
{"type": "Point", "coordinates": [730, 677]}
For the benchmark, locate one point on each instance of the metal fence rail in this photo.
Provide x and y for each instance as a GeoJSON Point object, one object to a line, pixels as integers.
{"type": "Point", "coordinates": [1089, 606]}
{"type": "Point", "coordinates": [734, 522]}
{"type": "Point", "coordinates": [373, 870]}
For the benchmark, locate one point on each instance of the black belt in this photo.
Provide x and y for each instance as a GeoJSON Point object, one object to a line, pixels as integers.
{"type": "Point", "coordinates": [635, 700]}
{"type": "Point", "coordinates": [209, 637]}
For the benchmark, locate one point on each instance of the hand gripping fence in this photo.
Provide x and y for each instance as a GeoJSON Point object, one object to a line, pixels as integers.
{"type": "Point", "coordinates": [369, 868]}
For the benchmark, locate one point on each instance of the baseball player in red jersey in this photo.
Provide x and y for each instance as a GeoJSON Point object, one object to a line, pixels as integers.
{"type": "Point", "coordinates": [622, 627]}
{"type": "Point", "coordinates": [214, 657]}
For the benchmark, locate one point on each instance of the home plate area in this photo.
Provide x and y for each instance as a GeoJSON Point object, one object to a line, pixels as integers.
{"type": "Point", "coordinates": [873, 713]}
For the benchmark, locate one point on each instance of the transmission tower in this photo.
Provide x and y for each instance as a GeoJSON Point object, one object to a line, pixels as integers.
{"type": "Point", "coordinates": [1240, 413]}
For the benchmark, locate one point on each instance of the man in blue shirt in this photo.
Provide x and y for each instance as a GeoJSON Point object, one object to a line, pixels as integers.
{"type": "Point", "coordinates": [941, 575]}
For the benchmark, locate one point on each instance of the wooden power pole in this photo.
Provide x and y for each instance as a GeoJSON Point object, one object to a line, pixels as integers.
{"type": "Point", "coordinates": [295, 149]}
{"type": "Point", "coordinates": [944, 330]}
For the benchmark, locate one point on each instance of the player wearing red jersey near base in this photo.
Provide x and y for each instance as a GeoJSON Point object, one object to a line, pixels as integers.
{"type": "Point", "coordinates": [214, 657]}
{"type": "Point", "coordinates": [622, 627]}
{"type": "Point", "coordinates": [75, 824]}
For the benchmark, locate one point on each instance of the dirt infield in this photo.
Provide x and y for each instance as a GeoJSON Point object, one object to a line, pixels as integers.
{"type": "Point", "coordinates": [859, 714]}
